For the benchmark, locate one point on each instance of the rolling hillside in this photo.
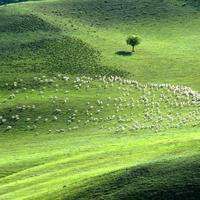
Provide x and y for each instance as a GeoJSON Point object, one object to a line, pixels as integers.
{"type": "Point", "coordinates": [82, 118]}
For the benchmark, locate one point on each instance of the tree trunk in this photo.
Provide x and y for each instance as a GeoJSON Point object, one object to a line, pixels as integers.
{"type": "Point", "coordinates": [133, 49]}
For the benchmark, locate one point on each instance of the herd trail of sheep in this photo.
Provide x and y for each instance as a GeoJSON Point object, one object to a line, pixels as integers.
{"type": "Point", "coordinates": [118, 105]}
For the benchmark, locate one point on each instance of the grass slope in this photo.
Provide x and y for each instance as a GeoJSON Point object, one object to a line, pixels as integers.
{"type": "Point", "coordinates": [169, 32]}
{"type": "Point", "coordinates": [73, 122]}
{"type": "Point", "coordinates": [159, 179]}
{"type": "Point", "coordinates": [57, 132]}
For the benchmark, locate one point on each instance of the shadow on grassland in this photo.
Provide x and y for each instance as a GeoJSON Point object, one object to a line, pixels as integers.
{"type": "Point", "coordinates": [24, 23]}
{"type": "Point", "coordinates": [193, 3]}
{"type": "Point", "coordinates": [173, 180]}
{"type": "Point", "coordinates": [109, 12]}
{"type": "Point", "coordinates": [4, 2]}
{"type": "Point", "coordinates": [53, 55]}
{"type": "Point", "coordinates": [124, 53]}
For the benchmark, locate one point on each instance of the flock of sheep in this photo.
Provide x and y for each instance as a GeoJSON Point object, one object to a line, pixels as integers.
{"type": "Point", "coordinates": [63, 103]}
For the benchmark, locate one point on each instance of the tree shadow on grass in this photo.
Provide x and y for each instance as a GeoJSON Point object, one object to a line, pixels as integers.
{"type": "Point", "coordinates": [124, 53]}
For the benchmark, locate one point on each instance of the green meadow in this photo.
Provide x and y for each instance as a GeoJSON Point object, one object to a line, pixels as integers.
{"type": "Point", "coordinates": [83, 118]}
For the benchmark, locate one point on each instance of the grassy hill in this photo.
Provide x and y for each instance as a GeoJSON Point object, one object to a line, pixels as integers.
{"type": "Point", "coordinates": [79, 120]}
{"type": "Point", "coordinates": [169, 32]}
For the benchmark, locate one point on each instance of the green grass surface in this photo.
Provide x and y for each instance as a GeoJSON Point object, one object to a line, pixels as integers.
{"type": "Point", "coordinates": [80, 120]}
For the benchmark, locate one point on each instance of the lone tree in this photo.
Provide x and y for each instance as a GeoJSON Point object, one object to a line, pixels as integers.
{"type": "Point", "coordinates": [133, 41]}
